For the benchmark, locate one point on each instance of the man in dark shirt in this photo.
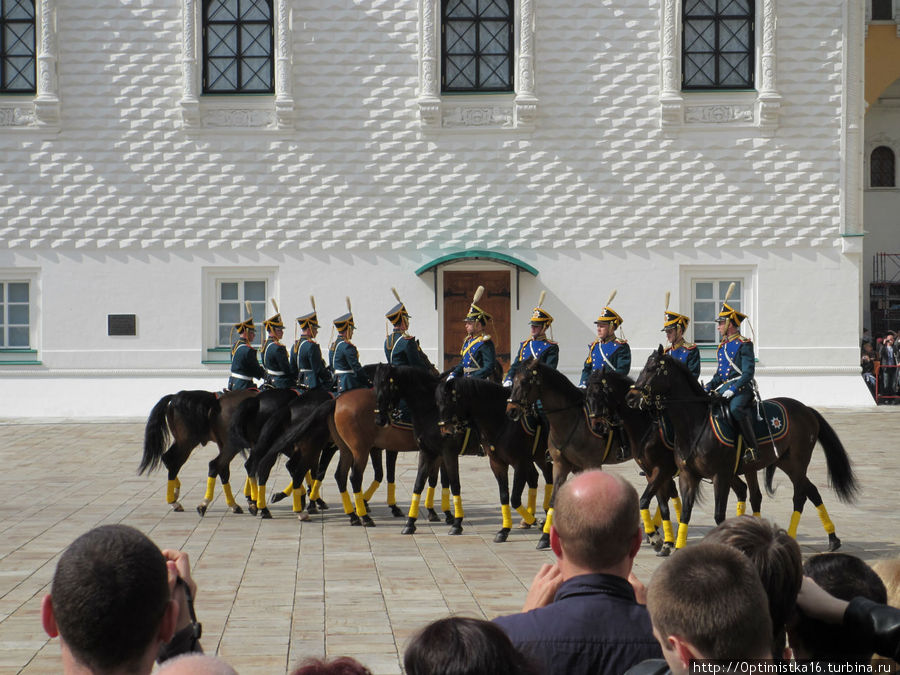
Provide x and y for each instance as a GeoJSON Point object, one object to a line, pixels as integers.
{"type": "Point", "coordinates": [581, 615]}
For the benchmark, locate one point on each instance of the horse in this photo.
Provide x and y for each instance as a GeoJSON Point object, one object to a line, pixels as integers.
{"type": "Point", "coordinates": [607, 408]}
{"type": "Point", "coordinates": [572, 443]}
{"type": "Point", "coordinates": [701, 450]}
{"type": "Point", "coordinates": [193, 418]}
{"type": "Point", "coordinates": [481, 404]}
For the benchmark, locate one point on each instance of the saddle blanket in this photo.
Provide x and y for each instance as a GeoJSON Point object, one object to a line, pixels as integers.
{"type": "Point", "coordinates": [772, 428]}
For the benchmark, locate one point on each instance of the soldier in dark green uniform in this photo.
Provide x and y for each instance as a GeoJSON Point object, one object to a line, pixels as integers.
{"type": "Point", "coordinates": [306, 354]}
{"type": "Point", "coordinates": [280, 373]}
{"type": "Point", "coordinates": [345, 357]}
{"type": "Point", "coordinates": [244, 362]}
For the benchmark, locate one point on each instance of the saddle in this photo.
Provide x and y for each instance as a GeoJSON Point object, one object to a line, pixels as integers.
{"type": "Point", "coordinates": [771, 428]}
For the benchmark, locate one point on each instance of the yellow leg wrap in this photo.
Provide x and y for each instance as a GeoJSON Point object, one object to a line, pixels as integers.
{"type": "Point", "coordinates": [682, 535]}
{"type": "Point", "coordinates": [527, 515]}
{"type": "Point", "coordinates": [647, 520]}
{"type": "Point", "coordinates": [657, 518]}
{"type": "Point", "coordinates": [445, 499]}
{"type": "Point", "coordinates": [548, 522]}
{"type": "Point", "coordinates": [548, 492]}
{"type": "Point", "coordinates": [170, 491]}
{"type": "Point", "coordinates": [309, 479]}
{"type": "Point", "coordinates": [757, 514]}
{"type": "Point", "coordinates": [826, 521]}
{"type": "Point", "coordinates": [741, 508]}
{"type": "Point", "coordinates": [367, 495]}
{"type": "Point", "coordinates": [457, 507]}
{"type": "Point", "coordinates": [297, 500]}
{"type": "Point", "coordinates": [506, 513]}
{"type": "Point", "coordinates": [314, 490]}
{"type": "Point", "coordinates": [392, 494]}
{"type": "Point", "coordinates": [348, 505]}
{"type": "Point", "coordinates": [360, 504]}
{"type": "Point", "coordinates": [676, 503]}
{"type": "Point", "coordinates": [668, 535]}
{"type": "Point", "coordinates": [261, 496]}
{"type": "Point", "coordinates": [178, 483]}
{"type": "Point", "coordinates": [210, 488]}
{"type": "Point", "coordinates": [289, 490]}
{"type": "Point", "coordinates": [229, 497]}
{"type": "Point", "coordinates": [414, 506]}
{"type": "Point", "coordinates": [532, 500]}
{"type": "Point", "coordinates": [429, 498]}
{"type": "Point", "coordinates": [795, 523]}
{"type": "Point", "coordinates": [247, 491]}
{"type": "Point", "coordinates": [254, 490]}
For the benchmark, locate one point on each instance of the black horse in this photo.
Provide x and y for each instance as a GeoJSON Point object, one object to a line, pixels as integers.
{"type": "Point", "coordinates": [465, 403]}
{"type": "Point", "coordinates": [701, 451]}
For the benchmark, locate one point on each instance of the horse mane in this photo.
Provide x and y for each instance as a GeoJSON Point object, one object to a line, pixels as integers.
{"type": "Point", "coordinates": [681, 368]}
{"type": "Point", "coordinates": [617, 378]}
{"type": "Point", "coordinates": [473, 388]}
{"type": "Point", "coordinates": [556, 378]}
{"type": "Point", "coordinates": [417, 380]}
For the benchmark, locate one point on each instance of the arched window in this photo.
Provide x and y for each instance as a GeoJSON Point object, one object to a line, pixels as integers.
{"type": "Point", "coordinates": [238, 47]}
{"type": "Point", "coordinates": [477, 49]}
{"type": "Point", "coordinates": [882, 10]}
{"type": "Point", "coordinates": [882, 167]}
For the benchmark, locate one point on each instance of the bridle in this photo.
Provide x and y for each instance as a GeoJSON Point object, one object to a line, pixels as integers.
{"type": "Point", "coordinates": [454, 425]}
{"type": "Point", "coordinates": [530, 381]}
{"type": "Point", "coordinates": [605, 419]}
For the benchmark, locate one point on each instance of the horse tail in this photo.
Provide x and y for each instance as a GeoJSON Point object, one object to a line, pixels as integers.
{"type": "Point", "coordinates": [770, 474]}
{"type": "Point", "coordinates": [313, 428]}
{"type": "Point", "coordinates": [840, 471]}
{"type": "Point", "coordinates": [156, 435]}
{"type": "Point", "coordinates": [237, 431]}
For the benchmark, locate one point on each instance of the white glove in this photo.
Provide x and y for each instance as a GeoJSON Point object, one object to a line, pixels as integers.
{"type": "Point", "coordinates": [728, 394]}
{"type": "Point", "coordinates": [450, 377]}
{"type": "Point", "coordinates": [582, 386]}
{"type": "Point", "coordinates": [507, 383]}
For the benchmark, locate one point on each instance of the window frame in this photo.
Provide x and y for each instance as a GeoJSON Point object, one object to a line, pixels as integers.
{"type": "Point", "coordinates": [717, 20]}
{"type": "Point", "coordinates": [478, 56]}
{"type": "Point", "coordinates": [871, 171]}
{"type": "Point", "coordinates": [5, 56]}
{"type": "Point", "coordinates": [239, 58]}
{"type": "Point", "coordinates": [18, 356]}
{"type": "Point", "coordinates": [213, 277]}
{"type": "Point", "coordinates": [690, 275]}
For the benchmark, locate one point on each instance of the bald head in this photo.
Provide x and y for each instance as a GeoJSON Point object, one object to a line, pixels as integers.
{"type": "Point", "coordinates": [196, 664]}
{"type": "Point", "coordinates": [596, 518]}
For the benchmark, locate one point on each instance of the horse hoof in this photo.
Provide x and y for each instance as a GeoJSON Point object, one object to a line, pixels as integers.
{"type": "Point", "coordinates": [410, 527]}
{"type": "Point", "coordinates": [433, 516]}
{"type": "Point", "coordinates": [455, 530]}
{"type": "Point", "coordinates": [448, 517]}
{"type": "Point", "coordinates": [367, 521]}
{"type": "Point", "coordinates": [277, 497]}
{"type": "Point", "coordinates": [656, 541]}
{"type": "Point", "coordinates": [201, 509]}
{"type": "Point", "coordinates": [544, 542]}
{"type": "Point", "coordinates": [354, 520]}
{"type": "Point", "coordinates": [501, 536]}
{"type": "Point", "coordinates": [313, 509]}
{"type": "Point", "coordinates": [252, 508]}
{"type": "Point", "coordinates": [395, 511]}
{"type": "Point", "coordinates": [321, 504]}
{"type": "Point", "coordinates": [665, 550]}
{"type": "Point", "coordinates": [303, 516]}
{"type": "Point", "coordinates": [264, 514]}
{"type": "Point", "coordinates": [177, 507]}
{"type": "Point", "coordinates": [237, 509]}
{"type": "Point", "coordinates": [525, 526]}
{"type": "Point", "coordinates": [833, 542]}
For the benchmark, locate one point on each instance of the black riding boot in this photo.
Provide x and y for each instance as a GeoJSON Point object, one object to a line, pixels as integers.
{"type": "Point", "coordinates": [750, 443]}
{"type": "Point", "coordinates": [623, 448]}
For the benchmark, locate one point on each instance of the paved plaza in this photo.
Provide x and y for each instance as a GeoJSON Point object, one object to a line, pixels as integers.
{"type": "Point", "coordinates": [274, 592]}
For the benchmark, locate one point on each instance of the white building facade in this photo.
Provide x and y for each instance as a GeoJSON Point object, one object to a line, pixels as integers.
{"type": "Point", "coordinates": [578, 149]}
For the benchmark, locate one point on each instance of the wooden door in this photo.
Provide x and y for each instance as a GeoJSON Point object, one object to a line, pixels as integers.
{"type": "Point", "coordinates": [459, 288]}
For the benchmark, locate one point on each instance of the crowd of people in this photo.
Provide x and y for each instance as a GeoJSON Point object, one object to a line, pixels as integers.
{"type": "Point", "coordinates": [118, 603]}
{"type": "Point", "coordinates": [880, 361]}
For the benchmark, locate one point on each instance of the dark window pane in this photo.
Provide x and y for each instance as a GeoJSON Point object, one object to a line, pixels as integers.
{"type": "Point", "coordinates": [882, 167]}
{"type": "Point", "coordinates": [882, 10]}
{"type": "Point", "coordinates": [18, 337]}
{"type": "Point", "coordinates": [238, 47]}
{"type": "Point", "coordinates": [477, 45]}
{"type": "Point", "coordinates": [718, 44]}
{"type": "Point", "coordinates": [18, 292]}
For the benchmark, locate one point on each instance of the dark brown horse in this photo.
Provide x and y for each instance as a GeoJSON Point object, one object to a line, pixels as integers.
{"type": "Point", "coordinates": [480, 405]}
{"type": "Point", "coordinates": [572, 443]}
{"type": "Point", "coordinates": [666, 384]}
{"type": "Point", "coordinates": [193, 418]}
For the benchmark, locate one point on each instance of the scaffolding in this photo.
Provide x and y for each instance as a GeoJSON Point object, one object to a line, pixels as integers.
{"type": "Point", "coordinates": [884, 293]}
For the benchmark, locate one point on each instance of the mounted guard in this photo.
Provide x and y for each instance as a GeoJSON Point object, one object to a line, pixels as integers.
{"type": "Point", "coordinates": [733, 380]}
{"type": "Point", "coordinates": [244, 361]}
{"type": "Point", "coordinates": [538, 346]}
{"type": "Point", "coordinates": [478, 353]}
{"type": "Point", "coordinates": [674, 326]}
{"type": "Point", "coordinates": [607, 351]}
{"type": "Point", "coordinates": [344, 356]}
{"type": "Point", "coordinates": [280, 373]}
{"type": "Point", "coordinates": [306, 354]}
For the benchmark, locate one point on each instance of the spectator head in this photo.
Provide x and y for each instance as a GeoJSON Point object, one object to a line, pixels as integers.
{"type": "Point", "coordinates": [109, 602]}
{"type": "Point", "coordinates": [596, 524]}
{"type": "Point", "coordinates": [195, 664]}
{"type": "Point", "coordinates": [707, 602]}
{"type": "Point", "coordinates": [777, 559]}
{"type": "Point", "coordinates": [846, 577]}
{"type": "Point", "coordinates": [889, 573]}
{"type": "Point", "coordinates": [463, 646]}
{"type": "Point", "coordinates": [340, 666]}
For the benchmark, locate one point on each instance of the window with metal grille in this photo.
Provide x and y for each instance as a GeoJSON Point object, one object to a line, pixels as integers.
{"type": "Point", "coordinates": [477, 45]}
{"type": "Point", "coordinates": [238, 47]}
{"type": "Point", "coordinates": [17, 47]}
{"type": "Point", "coordinates": [15, 311]}
{"type": "Point", "coordinates": [718, 44]}
{"type": "Point", "coordinates": [232, 296]}
{"type": "Point", "coordinates": [708, 296]}
{"type": "Point", "coordinates": [882, 167]}
{"type": "Point", "coordinates": [882, 10]}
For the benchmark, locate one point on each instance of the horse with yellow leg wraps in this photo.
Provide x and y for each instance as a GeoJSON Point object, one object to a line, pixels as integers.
{"type": "Point", "coordinates": [703, 450]}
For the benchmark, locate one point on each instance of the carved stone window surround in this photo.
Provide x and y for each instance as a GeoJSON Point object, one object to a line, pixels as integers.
{"type": "Point", "coordinates": [710, 110]}
{"type": "Point", "coordinates": [241, 111]}
{"type": "Point", "coordinates": [38, 112]}
{"type": "Point", "coordinates": [476, 112]}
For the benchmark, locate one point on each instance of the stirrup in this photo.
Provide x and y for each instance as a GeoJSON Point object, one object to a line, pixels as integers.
{"type": "Point", "coordinates": [750, 455]}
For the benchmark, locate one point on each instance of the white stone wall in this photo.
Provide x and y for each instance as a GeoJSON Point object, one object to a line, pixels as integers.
{"type": "Point", "coordinates": [123, 209]}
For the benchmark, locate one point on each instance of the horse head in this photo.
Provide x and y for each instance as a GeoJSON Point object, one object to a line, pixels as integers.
{"type": "Point", "coordinates": [598, 401]}
{"type": "Point", "coordinates": [446, 398]}
{"type": "Point", "coordinates": [653, 385]}
{"type": "Point", "coordinates": [387, 394]}
{"type": "Point", "coordinates": [526, 386]}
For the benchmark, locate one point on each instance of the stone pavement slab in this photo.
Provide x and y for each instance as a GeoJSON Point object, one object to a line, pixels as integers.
{"type": "Point", "coordinates": [277, 591]}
